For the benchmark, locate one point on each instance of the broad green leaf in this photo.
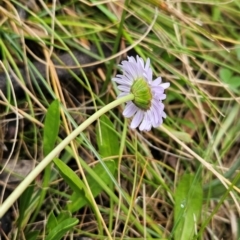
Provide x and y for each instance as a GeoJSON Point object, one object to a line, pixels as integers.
{"type": "Point", "coordinates": [185, 137]}
{"type": "Point", "coordinates": [52, 222]}
{"type": "Point", "coordinates": [50, 134]}
{"type": "Point", "coordinates": [225, 74]}
{"type": "Point", "coordinates": [51, 127]}
{"type": "Point", "coordinates": [77, 202]}
{"type": "Point", "coordinates": [187, 209]}
{"type": "Point", "coordinates": [32, 235]}
{"type": "Point", "coordinates": [61, 229]}
{"type": "Point", "coordinates": [234, 82]}
{"type": "Point", "coordinates": [63, 215]}
{"type": "Point", "coordinates": [71, 178]}
{"type": "Point", "coordinates": [227, 77]}
{"type": "Point", "coordinates": [107, 139]}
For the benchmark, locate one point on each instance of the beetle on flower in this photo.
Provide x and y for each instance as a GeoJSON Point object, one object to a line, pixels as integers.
{"type": "Point", "coordinates": [146, 108]}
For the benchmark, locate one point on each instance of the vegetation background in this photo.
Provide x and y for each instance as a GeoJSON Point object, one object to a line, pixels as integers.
{"type": "Point", "coordinates": [180, 181]}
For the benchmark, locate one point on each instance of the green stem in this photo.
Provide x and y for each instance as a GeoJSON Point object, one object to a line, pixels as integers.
{"type": "Point", "coordinates": [43, 164]}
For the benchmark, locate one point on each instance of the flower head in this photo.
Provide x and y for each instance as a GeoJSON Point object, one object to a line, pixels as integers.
{"type": "Point", "coordinates": [146, 108]}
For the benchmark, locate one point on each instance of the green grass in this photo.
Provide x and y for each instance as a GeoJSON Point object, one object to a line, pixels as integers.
{"type": "Point", "coordinates": [179, 181]}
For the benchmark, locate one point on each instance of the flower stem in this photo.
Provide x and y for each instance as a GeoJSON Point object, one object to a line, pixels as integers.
{"type": "Point", "coordinates": [43, 164]}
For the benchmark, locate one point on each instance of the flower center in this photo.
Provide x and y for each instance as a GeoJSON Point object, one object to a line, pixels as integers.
{"type": "Point", "coordinates": [142, 94]}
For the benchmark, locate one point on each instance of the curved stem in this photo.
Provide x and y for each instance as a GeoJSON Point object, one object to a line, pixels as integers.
{"type": "Point", "coordinates": [41, 166]}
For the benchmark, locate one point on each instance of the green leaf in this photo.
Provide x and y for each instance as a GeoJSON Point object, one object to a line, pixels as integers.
{"type": "Point", "coordinates": [50, 134]}
{"type": "Point", "coordinates": [183, 136]}
{"type": "Point", "coordinates": [107, 139]}
{"type": "Point", "coordinates": [238, 52]}
{"type": "Point", "coordinates": [187, 209]}
{"type": "Point", "coordinates": [76, 201]}
{"type": "Point", "coordinates": [80, 197]}
{"type": "Point", "coordinates": [52, 222]}
{"type": "Point", "coordinates": [61, 229]}
{"type": "Point", "coordinates": [32, 235]}
{"type": "Point", "coordinates": [225, 74]}
{"type": "Point", "coordinates": [71, 178]}
{"type": "Point", "coordinates": [62, 216]}
{"type": "Point", "coordinates": [24, 203]}
{"type": "Point", "coordinates": [51, 127]}
{"type": "Point", "coordinates": [234, 82]}
{"type": "Point", "coordinates": [227, 77]}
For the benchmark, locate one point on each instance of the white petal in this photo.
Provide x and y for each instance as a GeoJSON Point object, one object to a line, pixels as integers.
{"type": "Point", "coordinates": [157, 90]}
{"type": "Point", "coordinates": [157, 81]}
{"type": "Point", "coordinates": [162, 97]}
{"type": "Point", "coordinates": [160, 122]}
{"type": "Point", "coordinates": [148, 76]}
{"type": "Point", "coordinates": [157, 107]}
{"type": "Point", "coordinates": [136, 70]}
{"type": "Point", "coordinates": [147, 66]}
{"type": "Point", "coordinates": [160, 106]}
{"type": "Point", "coordinates": [131, 70]}
{"type": "Point", "coordinates": [144, 125]}
{"type": "Point", "coordinates": [140, 62]}
{"type": "Point", "coordinates": [124, 88]}
{"type": "Point", "coordinates": [122, 94]}
{"type": "Point", "coordinates": [164, 115]}
{"type": "Point", "coordinates": [129, 77]}
{"type": "Point", "coordinates": [165, 85]}
{"type": "Point", "coordinates": [155, 115]}
{"type": "Point", "coordinates": [131, 59]}
{"type": "Point", "coordinates": [130, 109]}
{"type": "Point", "coordinates": [122, 80]}
{"type": "Point", "coordinates": [137, 119]}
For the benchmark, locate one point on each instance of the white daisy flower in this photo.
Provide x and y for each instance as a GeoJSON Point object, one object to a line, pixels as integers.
{"type": "Point", "coordinates": [147, 108]}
